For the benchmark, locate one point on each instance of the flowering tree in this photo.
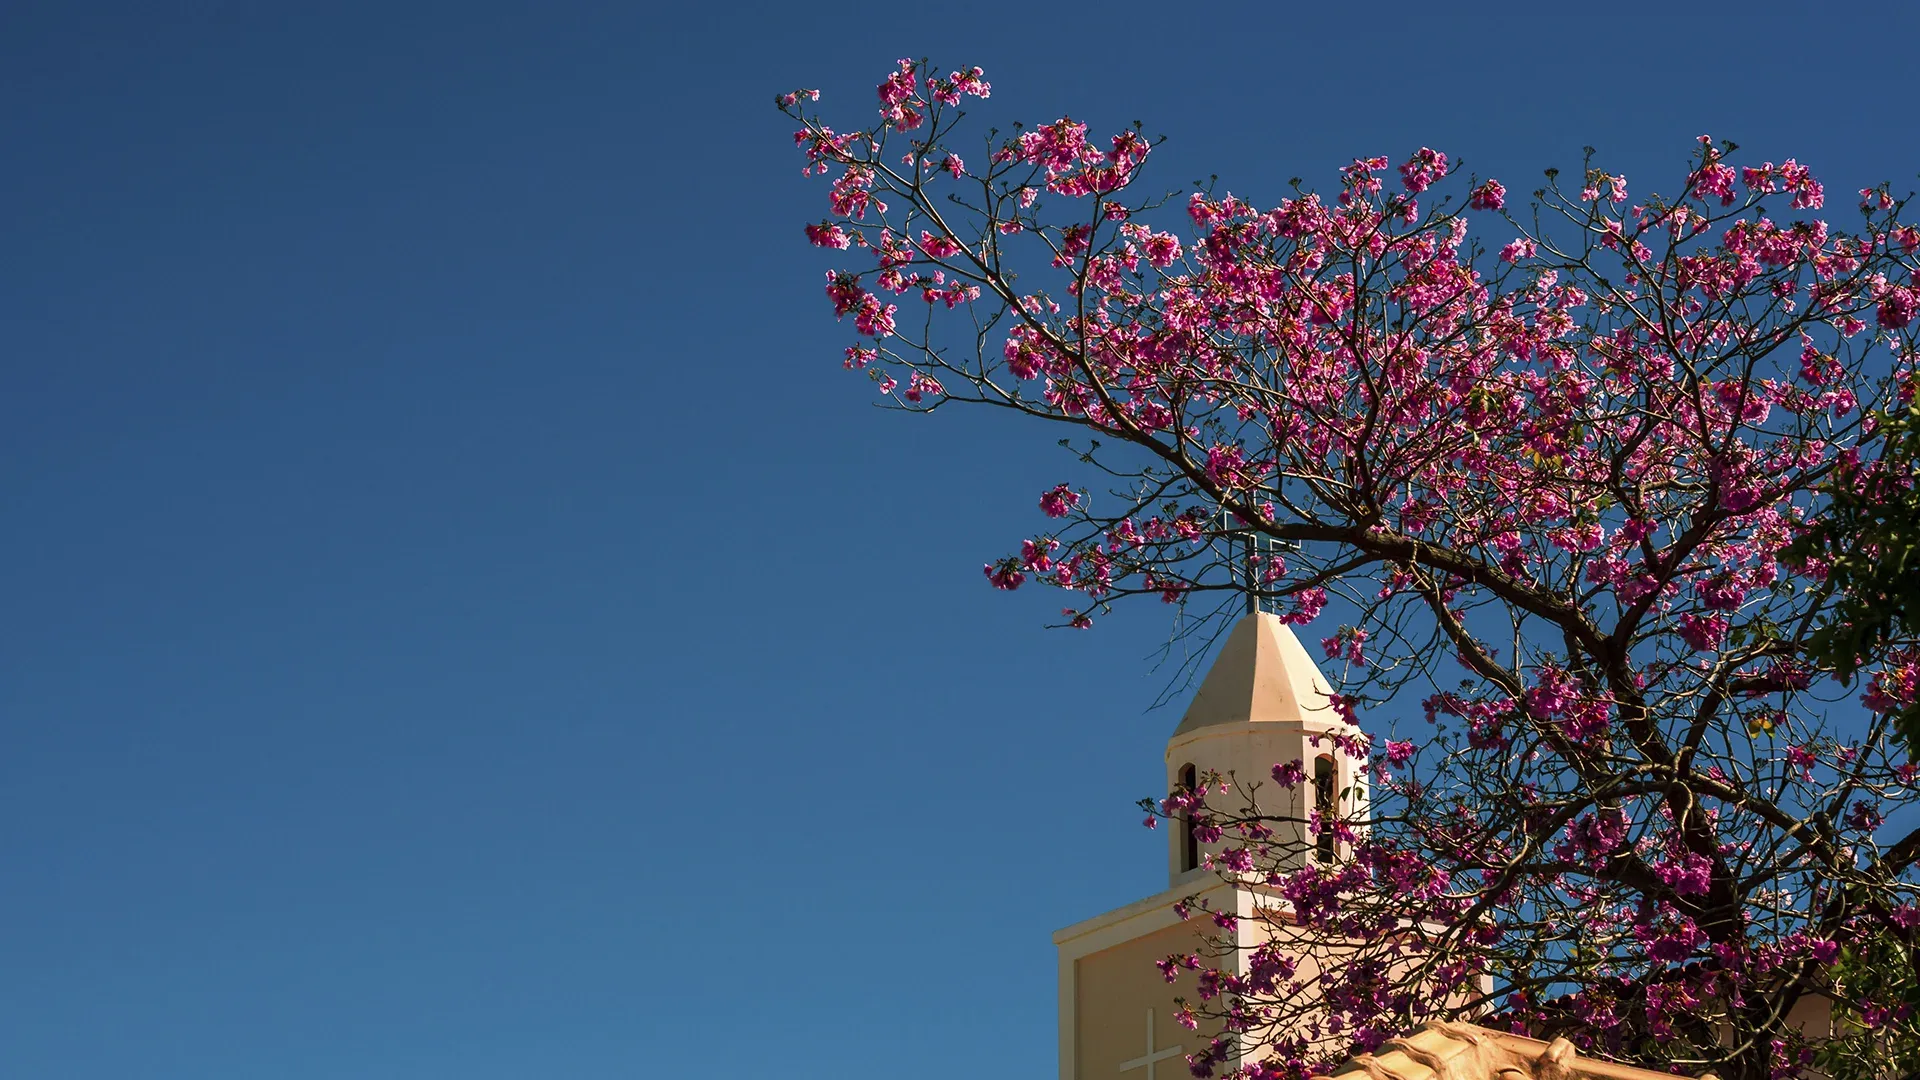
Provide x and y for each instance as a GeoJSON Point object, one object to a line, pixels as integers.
{"type": "Point", "coordinates": [1545, 484]}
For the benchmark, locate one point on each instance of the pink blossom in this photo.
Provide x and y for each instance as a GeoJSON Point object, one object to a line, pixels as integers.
{"type": "Point", "coordinates": [1591, 837]}
{"type": "Point", "coordinates": [874, 318]}
{"type": "Point", "coordinates": [900, 85]}
{"type": "Point", "coordinates": [938, 247]}
{"type": "Point", "coordinates": [1669, 937]}
{"type": "Point", "coordinates": [1348, 642]}
{"type": "Point", "coordinates": [1004, 574]}
{"type": "Point", "coordinates": [1687, 873]}
{"type": "Point", "coordinates": [897, 100]}
{"type": "Point", "coordinates": [1807, 192]}
{"type": "Point", "coordinates": [1896, 308]}
{"type": "Point", "coordinates": [1716, 181]}
{"type": "Point", "coordinates": [845, 292]}
{"type": "Point", "coordinates": [1864, 815]}
{"type": "Point", "coordinates": [852, 194]}
{"type": "Point", "coordinates": [1058, 146]}
{"type": "Point", "coordinates": [1703, 634]}
{"type": "Point", "coordinates": [1163, 249]}
{"type": "Point", "coordinates": [1896, 685]}
{"type": "Point", "coordinates": [1239, 860]}
{"type": "Point", "coordinates": [971, 82]}
{"type": "Point", "coordinates": [1035, 554]}
{"type": "Point", "coordinates": [1059, 501]}
{"type": "Point", "coordinates": [1816, 367]}
{"type": "Point", "coordinates": [1358, 181]}
{"type": "Point", "coordinates": [1516, 250]}
{"type": "Point", "coordinates": [1419, 172]}
{"type": "Point", "coordinates": [1226, 466]}
{"type": "Point", "coordinates": [922, 385]}
{"type": "Point", "coordinates": [1306, 606]}
{"type": "Point", "coordinates": [828, 235]}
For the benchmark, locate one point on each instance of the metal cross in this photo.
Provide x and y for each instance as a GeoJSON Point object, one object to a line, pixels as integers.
{"type": "Point", "coordinates": [1243, 565]}
{"type": "Point", "coordinates": [1253, 578]}
{"type": "Point", "coordinates": [1152, 1054]}
{"type": "Point", "coordinates": [1247, 563]}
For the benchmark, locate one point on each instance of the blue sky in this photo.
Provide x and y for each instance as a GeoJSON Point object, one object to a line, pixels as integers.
{"type": "Point", "coordinates": [461, 621]}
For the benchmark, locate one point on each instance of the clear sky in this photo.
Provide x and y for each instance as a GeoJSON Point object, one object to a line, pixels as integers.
{"type": "Point", "coordinates": [457, 619]}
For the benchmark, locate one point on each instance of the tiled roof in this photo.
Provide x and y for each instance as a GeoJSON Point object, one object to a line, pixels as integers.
{"type": "Point", "coordinates": [1466, 1052]}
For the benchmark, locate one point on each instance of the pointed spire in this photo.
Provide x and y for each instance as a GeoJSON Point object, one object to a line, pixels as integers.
{"type": "Point", "coordinates": [1263, 673]}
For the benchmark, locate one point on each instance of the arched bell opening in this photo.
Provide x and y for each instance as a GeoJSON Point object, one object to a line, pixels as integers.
{"type": "Point", "coordinates": [1189, 844]}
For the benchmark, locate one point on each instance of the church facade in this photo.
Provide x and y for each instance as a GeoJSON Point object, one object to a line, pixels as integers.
{"type": "Point", "coordinates": [1263, 702]}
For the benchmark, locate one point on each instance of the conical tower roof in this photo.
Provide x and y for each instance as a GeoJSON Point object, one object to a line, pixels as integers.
{"type": "Point", "coordinates": [1263, 673]}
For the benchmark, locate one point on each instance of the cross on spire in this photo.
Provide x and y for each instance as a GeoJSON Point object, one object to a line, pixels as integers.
{"type": "Point", "coordinates": [1244, 564]}
{"type": "Point", "coordinates": [1253, 573]}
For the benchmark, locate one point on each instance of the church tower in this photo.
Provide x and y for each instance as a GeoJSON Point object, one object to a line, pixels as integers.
{"type": "Point", "coordinates": [1263, 703]}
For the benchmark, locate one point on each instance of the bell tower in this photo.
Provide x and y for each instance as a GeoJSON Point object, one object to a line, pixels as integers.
{"type": "Point", "coordinates": [1263, 703]}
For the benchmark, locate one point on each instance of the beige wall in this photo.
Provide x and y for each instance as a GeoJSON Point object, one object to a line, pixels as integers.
{"type": "Point", "coordinates": [1108, 981]}
{"type": "Point", "coordinates": [1114, 988]}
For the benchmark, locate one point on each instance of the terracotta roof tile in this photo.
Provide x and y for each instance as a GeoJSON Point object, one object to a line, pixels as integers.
{"type": "Point", "coordinates": [1466, 1052]}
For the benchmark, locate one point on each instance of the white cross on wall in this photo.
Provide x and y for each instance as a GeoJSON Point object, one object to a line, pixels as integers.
{"type": "Point", "coordinates": [1152, 1054]}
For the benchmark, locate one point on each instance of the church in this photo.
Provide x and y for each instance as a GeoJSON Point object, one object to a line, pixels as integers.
{"type": "Point", "coordinates": [1263, 701]}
